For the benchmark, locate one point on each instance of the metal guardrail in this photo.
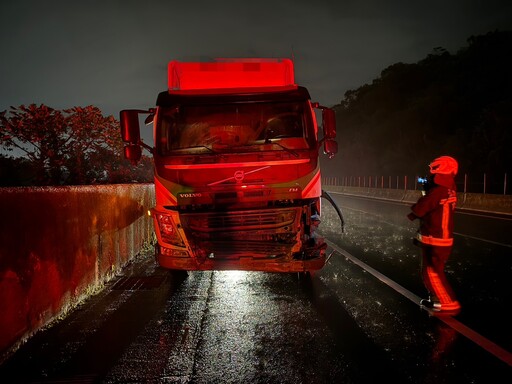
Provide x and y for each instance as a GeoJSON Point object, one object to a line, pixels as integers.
{"type": "Point", "coordinates": [501, 204]}
{"type": "Point", "coordinates": [465, 184]}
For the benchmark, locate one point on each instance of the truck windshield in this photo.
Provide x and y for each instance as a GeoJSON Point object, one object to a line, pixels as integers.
{"type": "Point", "coordinates": [236, 127]}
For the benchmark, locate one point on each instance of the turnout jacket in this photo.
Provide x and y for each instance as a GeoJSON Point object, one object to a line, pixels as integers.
{"type": "Point", "coordinates": [435, 211]}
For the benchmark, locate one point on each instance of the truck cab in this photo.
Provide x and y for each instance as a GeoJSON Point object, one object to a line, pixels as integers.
{"type": "Point", "coordinates": [236, 164]}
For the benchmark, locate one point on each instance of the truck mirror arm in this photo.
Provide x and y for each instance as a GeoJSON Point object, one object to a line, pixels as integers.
{"type": "Point", "coordinates": [149, 148]}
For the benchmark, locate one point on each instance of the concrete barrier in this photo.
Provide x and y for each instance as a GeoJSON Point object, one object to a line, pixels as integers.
{"type": "Point", "coordinates": [60, 244]}
{"type": "Point", "coordinates": [472, 201]}
{"type": "Point", "coordinates": [487, 202]}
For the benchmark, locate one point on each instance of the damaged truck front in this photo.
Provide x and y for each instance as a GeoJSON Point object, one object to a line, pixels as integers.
{"type": "Point", "coordinates": [236, 167]}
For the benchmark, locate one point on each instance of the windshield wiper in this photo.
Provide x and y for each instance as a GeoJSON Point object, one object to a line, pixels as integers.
{"type": "Point", "coordinates": [201, 146]}
{"type": "Point", "coordinates": [289, 150]}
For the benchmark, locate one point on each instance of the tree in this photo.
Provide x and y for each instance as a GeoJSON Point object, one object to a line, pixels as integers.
{"type": "Point", "coordinates": [39, 134]}
{"type": "Point", "coordinates": [74, 146]}
{"type": "Point", "coordinates": [92, 144]}
{"type": "Point", "coordinates": [444, 104]}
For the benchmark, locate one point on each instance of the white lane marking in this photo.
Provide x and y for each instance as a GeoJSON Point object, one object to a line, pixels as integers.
{"type": "Point", "coordinates": [472, 335]}
{"type": "Point", "coordinates": [455, 233]}
{"type": "Point", "coordinates": [485, 214]}
{"type": "Point", "coordinates": [484, 240]}
{"type": "Point", "coordinates": [461, 211]}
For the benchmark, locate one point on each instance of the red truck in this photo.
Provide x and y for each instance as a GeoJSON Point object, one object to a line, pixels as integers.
{"type": "Point", "coordinates": [236, 166]}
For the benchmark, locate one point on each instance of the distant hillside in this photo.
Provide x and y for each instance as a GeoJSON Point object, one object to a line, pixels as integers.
{"type": "Point", "coordinates": [458, 104]}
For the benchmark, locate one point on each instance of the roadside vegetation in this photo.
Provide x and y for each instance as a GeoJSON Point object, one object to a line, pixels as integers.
{"type": "Point", "coordinates": [75, 146]}
{"type": "Point", "coordinates": [458, 104]}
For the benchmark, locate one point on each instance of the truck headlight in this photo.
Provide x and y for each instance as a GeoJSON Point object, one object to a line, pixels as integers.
{"type": "Point", "coordinates": [168, 230]}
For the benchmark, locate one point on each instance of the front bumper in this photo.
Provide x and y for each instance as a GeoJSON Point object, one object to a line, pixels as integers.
{"type": "Point", "coordinates": [316, 262]}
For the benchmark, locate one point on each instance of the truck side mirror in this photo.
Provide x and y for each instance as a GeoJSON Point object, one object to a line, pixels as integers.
{"type": "Point", "coordinates": [330, 148]}
{"type": "Point", "coordinates": [133, 153]}
{"type": "Point", "coordinates": [329, 123]}
{"type": "Point", "coordinates": [130, 129]}
{"type": "Point", "coordinates": [329, 128]}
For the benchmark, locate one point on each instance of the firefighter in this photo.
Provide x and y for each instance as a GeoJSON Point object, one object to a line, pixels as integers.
{"type": "Point", "coordinates": [435, 237]}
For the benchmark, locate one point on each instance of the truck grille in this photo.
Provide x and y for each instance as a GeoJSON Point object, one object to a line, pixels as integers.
{"type": "Point", "coordinates": [264, 233]}
{"type": "Point", "coordinates": [240, 220]}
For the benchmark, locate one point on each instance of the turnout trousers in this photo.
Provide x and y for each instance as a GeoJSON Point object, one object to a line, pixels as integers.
{"type": "Point", "coordinates": [433, 262]}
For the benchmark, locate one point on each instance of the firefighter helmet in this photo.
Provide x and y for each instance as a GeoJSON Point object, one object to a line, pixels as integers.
{"type": "Point", "coordinates": [444, 165]}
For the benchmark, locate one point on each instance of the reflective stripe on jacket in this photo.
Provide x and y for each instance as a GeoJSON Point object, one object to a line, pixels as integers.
{"type": "Point", "coordinates": [435, 211]}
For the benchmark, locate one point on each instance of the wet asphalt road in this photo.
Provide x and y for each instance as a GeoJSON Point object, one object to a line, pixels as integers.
{"type": "Point", "coordinates": [338, 325]}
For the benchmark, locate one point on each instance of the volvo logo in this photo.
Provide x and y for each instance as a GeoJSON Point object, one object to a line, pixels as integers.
{"type": "Point", "coordinates": [185, 195]}
{"type": "Point", "coordinates": [239, 176]}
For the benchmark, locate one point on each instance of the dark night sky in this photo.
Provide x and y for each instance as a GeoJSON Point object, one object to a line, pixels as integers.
{"type": "Point", "coordinates": [114, 54]}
